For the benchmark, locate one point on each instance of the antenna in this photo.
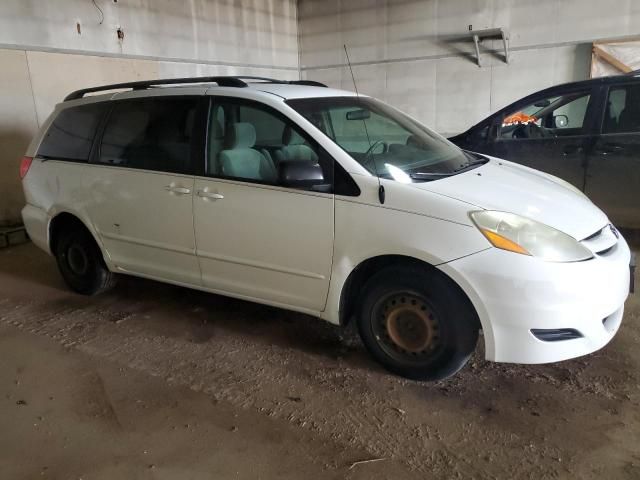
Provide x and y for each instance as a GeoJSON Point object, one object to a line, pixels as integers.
{"type": "Point", "coordinates": [381, 192]}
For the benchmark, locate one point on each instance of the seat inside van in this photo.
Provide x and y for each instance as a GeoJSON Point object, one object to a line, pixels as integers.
{"type": "Point", "coordinates": [294, 148]}
{"type": "Point", "coordinates": [239, 158]}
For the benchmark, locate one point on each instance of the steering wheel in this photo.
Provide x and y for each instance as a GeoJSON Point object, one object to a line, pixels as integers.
{"type": "Point", "coordinates": [529, 130]}
{"type": "Point", "coordinates": [369, 152]}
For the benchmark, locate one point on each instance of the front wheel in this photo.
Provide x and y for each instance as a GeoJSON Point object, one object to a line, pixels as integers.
{"type": "Point", "coordinates": [417, 323]}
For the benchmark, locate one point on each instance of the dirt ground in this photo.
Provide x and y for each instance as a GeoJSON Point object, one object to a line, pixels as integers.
{"type": "Point", "coordinates": [161, 382]}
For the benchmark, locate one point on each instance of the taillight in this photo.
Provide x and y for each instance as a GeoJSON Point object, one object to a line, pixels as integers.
{"type": "Point", "coordinates": [24, 165]}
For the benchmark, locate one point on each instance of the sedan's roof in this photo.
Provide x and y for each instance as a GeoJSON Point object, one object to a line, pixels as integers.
{"type": "Point", "coordinates": [600, 80]}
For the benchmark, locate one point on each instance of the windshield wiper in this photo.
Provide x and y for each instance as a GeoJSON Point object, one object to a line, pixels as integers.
{"type": "Point", "coordinates": [429, 175]}
{"type": "Point", "coordinates": [472, 163]}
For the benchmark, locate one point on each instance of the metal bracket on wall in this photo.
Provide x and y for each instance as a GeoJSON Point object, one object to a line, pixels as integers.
{"type": "Point", "coordinates": [490, 34]}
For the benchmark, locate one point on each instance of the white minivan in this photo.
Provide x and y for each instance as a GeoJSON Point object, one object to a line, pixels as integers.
{"type": "Point", "coordinates": [325, 202]}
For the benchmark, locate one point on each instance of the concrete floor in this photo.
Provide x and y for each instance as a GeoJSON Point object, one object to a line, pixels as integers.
{"type": "Point", "coordinates": [156, 381]}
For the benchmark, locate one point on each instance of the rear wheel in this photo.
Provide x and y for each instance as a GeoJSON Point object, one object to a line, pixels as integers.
{"type": "Point", "coordinates": [81, 264]}
{"type": "Point", "coordinates": [416, 323]}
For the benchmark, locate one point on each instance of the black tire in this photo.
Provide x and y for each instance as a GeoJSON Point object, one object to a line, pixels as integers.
{"type": "Point", "coordinates": [81, 264]}
{"type": "Point", "coordinates": [417, 323]}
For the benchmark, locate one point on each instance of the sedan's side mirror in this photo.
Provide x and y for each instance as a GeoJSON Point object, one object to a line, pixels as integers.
{"type": "Point", "coordinates": [560, 121]}
{"type": "Point", "coordinates": [300, 174]}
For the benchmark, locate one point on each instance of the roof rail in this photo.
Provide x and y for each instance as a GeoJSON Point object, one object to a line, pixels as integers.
{"type": "Point", "coordinates": [310, 83]}
{"type": "Point", "coordinates": [227, 81]}
{"type": "Point", "coordinates": [143, 84]}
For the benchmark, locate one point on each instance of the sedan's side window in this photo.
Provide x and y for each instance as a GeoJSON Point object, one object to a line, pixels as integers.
{"type": "Point", "coordinates": [558, 116]}
{"type": "Point", "coordinates": [151, 134]}
{"type": "Point", "coordinates": [622, 111]}
{"type": "Point", "coordinates": [252, 142]}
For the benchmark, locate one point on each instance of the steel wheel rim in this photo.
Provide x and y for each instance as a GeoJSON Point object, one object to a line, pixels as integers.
{"type": "Point", "coordinates": [407, 328]}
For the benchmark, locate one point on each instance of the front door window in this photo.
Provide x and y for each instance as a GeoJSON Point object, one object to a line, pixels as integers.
{"type": "Point", "coordinates": [557, 116]}
{"type": "Point", "coordinates": [254, 143]}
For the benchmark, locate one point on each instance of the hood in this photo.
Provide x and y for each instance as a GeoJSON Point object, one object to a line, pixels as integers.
{"type": "Point", "coordinates": [508, 187]}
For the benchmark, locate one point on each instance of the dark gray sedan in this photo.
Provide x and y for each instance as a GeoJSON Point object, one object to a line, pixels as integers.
{"type": "Point", "coordinates": [586, 132]}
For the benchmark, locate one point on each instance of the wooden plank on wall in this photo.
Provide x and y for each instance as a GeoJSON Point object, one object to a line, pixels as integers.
{"type": "Point", "coordinates": [611, 60]}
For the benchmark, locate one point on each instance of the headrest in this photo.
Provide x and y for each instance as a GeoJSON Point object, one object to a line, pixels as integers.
{"type": "Point", "coordinates": [243, 135]}
{"type": "Point", "coordinates": [216, 130]}
{"type": "Point", "coordinates": [291, 137]}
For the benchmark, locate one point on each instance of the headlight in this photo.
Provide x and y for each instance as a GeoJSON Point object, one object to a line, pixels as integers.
{"type": "Point", "coordinates": [525, 236]}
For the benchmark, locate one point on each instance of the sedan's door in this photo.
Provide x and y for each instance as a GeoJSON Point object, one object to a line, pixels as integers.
{"type": "Point", "coordinates": [613, 169]}
{"type": "Point", "coordinates": [255, 238]}
{"type": "Point", "coordinates": [142, 187]}
{"type": "Point", "coordinates": [551, 134]}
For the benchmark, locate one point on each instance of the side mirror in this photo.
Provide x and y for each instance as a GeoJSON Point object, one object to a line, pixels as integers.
{"type": "Point", "coordinates": [299, 174]}
{"type": "Point", "coordinates": [560, 121]}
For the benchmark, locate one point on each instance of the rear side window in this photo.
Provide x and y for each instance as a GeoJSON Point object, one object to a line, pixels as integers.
{"type": "Point", "coordinates": [622, 112]}
{"type": "Point", "coordinates": [151, 134]}
{"type": "Point", "coordinates": [70, 136]}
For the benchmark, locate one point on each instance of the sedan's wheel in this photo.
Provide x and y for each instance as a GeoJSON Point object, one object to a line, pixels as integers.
{"type": "Point", "coordinates": [417, 323]}
{"type": "Point", "coordinates": [81, 264]}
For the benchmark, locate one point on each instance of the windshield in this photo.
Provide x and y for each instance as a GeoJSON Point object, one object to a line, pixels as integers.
{"type": "Point", "coordinates": [383, 140]}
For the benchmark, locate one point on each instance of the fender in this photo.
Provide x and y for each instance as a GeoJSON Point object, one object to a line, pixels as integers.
{"type": "Point", "coordinates": [55, 211]}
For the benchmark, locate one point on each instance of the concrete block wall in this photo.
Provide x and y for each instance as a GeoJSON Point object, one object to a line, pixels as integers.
{"type": "Point", "coordinates": [409, 53]}
{"type": "Point", "coordinates": [43, 57]}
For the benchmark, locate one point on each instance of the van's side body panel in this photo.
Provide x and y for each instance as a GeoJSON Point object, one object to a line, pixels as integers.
{"type": "Point", "coordinates": [145, 226]}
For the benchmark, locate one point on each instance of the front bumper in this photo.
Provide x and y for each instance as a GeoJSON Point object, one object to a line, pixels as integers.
{"type": "Point", "coordinates": [514, 294]}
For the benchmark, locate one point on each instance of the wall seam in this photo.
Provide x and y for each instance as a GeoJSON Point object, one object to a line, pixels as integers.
{"type": "Point", "coordinates": [89, 53]}
{"type": "Point", "coordinates": [33, 95]}
{"type": "Point", "coordinates": [454, 55]}
{"type": "Point", "coordinates": [298, 43]}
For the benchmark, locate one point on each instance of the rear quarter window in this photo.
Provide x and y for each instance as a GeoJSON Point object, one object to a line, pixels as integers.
{"type": "Point", "coordinates": [71, 134]}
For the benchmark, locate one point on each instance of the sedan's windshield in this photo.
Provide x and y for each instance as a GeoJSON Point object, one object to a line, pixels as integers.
{"type": "Point", "coordinates": [383, 140]}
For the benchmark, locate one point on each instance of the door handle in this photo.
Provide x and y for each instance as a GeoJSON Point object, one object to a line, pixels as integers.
{"type": "Point", "coordinates": [608, 148]}
{"type": "Point", "coordinates": [210, 195]}
{"type": "Point", "coordinates": [571, 149]}
{"type": "Point", "coordinates": [177, 190]}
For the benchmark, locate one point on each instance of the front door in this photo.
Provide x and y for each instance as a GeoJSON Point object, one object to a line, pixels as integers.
{"type": "Point", "coordinates": [255, 238]}
{"type": "Point", "coordinates": [550, 134]}
{"type": "Point", "coordinates": [613, 169]}
{"type": "Point", "coordinates": [142, 188]}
